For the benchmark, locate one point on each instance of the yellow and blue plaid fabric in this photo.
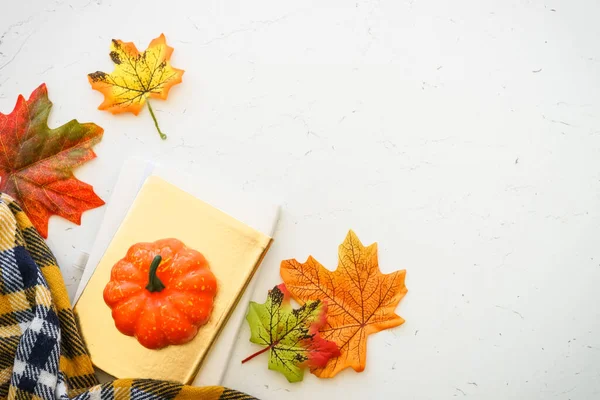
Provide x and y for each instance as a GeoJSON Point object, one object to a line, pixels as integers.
{"type": "Point", "coordinates": [42, 354]}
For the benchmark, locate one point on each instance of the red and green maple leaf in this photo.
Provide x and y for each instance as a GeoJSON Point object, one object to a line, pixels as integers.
{"type": "Point", "coordinates": [36, 162]}
{"type": "Point", "coordinates": [291, 336]}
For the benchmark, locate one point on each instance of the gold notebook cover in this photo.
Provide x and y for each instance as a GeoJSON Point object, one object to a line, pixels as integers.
{"type": "Point", "coordinates": [233, 250]}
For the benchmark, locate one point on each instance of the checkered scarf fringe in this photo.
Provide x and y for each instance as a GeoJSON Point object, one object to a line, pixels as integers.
{"type": "Point", "coordinates": [42, 354]}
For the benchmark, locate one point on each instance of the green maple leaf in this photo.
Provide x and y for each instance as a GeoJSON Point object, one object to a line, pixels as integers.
{"type": "Point", "coordinates": [291, 336]}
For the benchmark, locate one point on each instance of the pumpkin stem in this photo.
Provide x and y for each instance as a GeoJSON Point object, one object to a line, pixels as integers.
{"type": "Point", "coordinates": [154, 283]}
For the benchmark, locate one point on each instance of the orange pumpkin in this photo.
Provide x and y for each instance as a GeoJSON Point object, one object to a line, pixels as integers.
{"type": "Point", "coordinates": [161, 293]}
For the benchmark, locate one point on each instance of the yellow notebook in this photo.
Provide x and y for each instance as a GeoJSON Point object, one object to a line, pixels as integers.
{"type": "Point", "coordinates": [233, 250]}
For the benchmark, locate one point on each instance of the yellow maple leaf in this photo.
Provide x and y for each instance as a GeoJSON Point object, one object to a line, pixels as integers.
{"type": "Point", "coordinates": [360, 300]}
{"type": "Point", "coordinates": [136, 77]}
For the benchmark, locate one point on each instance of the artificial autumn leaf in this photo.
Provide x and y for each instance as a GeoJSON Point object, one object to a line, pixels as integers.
{"type": "Point", "coordinates": [136, 77]}
{"type": "Point", "coordinates": [291, 336]}
{"type": "Point", "coordinates": [361, 300]}
{"type": "Point", "coordinates": [36, 162]}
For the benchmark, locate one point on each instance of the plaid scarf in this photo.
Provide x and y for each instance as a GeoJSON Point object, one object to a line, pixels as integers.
{"type": "Point", "coordinates": [42, 355]}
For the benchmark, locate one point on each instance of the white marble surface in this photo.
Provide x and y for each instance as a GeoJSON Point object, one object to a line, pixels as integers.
{"type": "Point", "coordinates": [463, 136]}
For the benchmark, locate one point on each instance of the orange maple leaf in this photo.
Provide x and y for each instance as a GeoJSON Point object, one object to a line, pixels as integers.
{"type": "Point", "coordinates": [36, 162]}
{"type": "Point", "coordinates": [361, 300]}
{"type": "Point", "coordinates": [136, 77]}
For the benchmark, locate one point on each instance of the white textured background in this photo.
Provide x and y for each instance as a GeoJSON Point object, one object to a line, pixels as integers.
{"type": "Point", "coordinates": [463, 136]}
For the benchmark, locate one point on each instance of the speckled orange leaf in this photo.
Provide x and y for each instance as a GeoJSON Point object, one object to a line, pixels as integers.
{"type": "Point", "coordinates": [361, 300]}
{"type": "Point", "coordinates": [136, 77]}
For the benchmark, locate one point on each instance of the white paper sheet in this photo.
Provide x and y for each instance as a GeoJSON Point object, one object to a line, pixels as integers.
{"type": "Point", "coordinates": [255, 212]}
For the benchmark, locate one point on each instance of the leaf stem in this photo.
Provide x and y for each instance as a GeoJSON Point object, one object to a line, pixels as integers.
{"type": "Point", "coordinates": [162, 135]}
{"type": "Point", "coordinates": [258, 353]}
